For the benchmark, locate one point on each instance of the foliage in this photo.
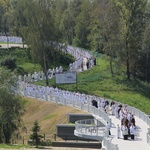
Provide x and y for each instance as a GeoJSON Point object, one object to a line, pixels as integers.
{"type": "Point", "coordinates": [9, 63]}
{"type": "Point", "coordinates": [132, 14]}
{"type": "Point", "coordinates": [11, 106]}
{"type": "Point", "coordinates": [35, 136]}
{"type": "Point", "coordinates": [118, 28]}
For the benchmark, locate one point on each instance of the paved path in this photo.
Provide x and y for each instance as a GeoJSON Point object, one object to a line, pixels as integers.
{"type": "Point", "coordinates": [140, 142]}
{"type": "Point", "coordinates": [12, 45]}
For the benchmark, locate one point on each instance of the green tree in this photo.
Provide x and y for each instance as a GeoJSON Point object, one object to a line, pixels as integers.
{"type": "Point", "coordinates": [105, 34]}
{"type": "Point", "coordinates": [82, 22]}
{"type": "Point", "coordinates": [11, 106]}
{"type": "Point", "coordinates": [132, 15]}
{"type": "Point", "coordinates": [144, 71]}
{"type": "Point", "coordinates": [6, 17]}
{"type": "Point", "coordinates": [41, 31]}
{"type": "Point", "coordinates": [35, 136]}
{"type": "Point", "coordinates": [69, 15]}
{"type": "Point", "coordinates": [58, 9]}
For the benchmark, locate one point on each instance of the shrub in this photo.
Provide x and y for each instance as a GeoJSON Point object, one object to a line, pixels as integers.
{"type": "Point", "coordinates": [10, 63]}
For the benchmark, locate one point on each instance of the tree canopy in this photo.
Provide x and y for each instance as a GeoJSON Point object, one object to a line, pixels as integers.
{"type": "Point", "coordinates": [118, 28]}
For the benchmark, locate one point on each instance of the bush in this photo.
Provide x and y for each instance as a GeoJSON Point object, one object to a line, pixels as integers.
{"type": "Point", "coordinates": [10, 63]}
{"type": "Point", "coordinates": [45, 143]}
{"type": "Point", "coordinates": [41, 143]}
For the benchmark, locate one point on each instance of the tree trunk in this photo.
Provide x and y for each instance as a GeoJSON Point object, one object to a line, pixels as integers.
{"type": "Point", "coordinates": [45, 69]}
{"type": "Point", "coordinates": [147, 57]}
{"type": "Point", "coordinates": [127, 65]}
{"type": "Point", "coordinates": [127, 60]}
{"type": "Point", "coordinates": [111, 68]}
{"type": "Point", "coordinates": [110, 61]}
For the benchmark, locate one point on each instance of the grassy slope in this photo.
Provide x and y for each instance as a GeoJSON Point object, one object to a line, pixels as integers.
{"type": "Point", "coordinates": [47, 114]}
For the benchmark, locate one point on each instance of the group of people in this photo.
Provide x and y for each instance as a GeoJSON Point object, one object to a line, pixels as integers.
{"type": "Point", "coordinates": [127, 120]}
{"type": "Point", "coordinates": [82, 64]}
{"type": "Point", "coordinates": [84, 60]}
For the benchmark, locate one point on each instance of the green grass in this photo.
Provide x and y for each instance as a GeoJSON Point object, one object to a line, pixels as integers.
{"type": "Point", "coordinates": [30, 67]}
{"type": "Point", "coordinates": [49, 117]}
{"type": "Point", "coordinates": [24, 60]}
{"type": "Point", "coordinates": [5, 146]}
{"type": "Point", "coordinates": [98, 81]}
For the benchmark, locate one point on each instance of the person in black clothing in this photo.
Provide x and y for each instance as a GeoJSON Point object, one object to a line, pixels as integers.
{"type": "Point", "coordinates": [94, 103]}
{"type": "Point", "coordinates": [133, 120]}
{"type": "Point", "coordinates": [87, 64]}
{"type": "Point", "coordinates": [95, 61]}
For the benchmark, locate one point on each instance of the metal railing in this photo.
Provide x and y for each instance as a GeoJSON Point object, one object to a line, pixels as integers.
{"type": "Point", "coordinates": [108, 145]}
{"type": "Point", "coordinates": [148, 136]}
{"type": "Point", "coordinates": [89, 127]}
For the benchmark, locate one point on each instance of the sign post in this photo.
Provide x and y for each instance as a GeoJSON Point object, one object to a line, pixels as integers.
{"type": "Point", "coordinates": [66, 78]}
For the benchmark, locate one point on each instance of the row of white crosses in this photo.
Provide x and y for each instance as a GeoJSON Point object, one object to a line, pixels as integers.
{"type": "Point", "coordinates": [41, 91]}
{"type": "Point", "coordinates": [11, 39]}
{"type": "Point", "coordinates": [32, 77]}
{"type": "Point", "coordinates": [36, 76]}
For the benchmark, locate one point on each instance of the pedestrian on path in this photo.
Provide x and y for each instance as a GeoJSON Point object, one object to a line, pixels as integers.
{"type": "Point", "coordinates": [108, 129]}
{"type": "Point", "coordinates": [118, 131]}
{"type": "Point", "coordinates": [132, 131]}
{"type": "Point", "coordinates": [125, 132]}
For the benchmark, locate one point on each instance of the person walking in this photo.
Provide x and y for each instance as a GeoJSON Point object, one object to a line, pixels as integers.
{"type": "Point", "coordinates": [108, 129]}
{"type": "Point", "coordinates": [125, 132]}
{"type": "Point", "coordinates": [118, 131]}
{"type": "Point", "coordinates": [132, 131]}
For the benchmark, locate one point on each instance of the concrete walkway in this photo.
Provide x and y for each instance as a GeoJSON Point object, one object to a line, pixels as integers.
{"type": "Point", "coordinates": [12, 45]}
{"type": "Point", "coordinates": [140, 142]}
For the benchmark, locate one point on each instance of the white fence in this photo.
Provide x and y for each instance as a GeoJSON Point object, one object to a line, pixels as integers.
{"type": "Point", "coordinates": [71, 102]}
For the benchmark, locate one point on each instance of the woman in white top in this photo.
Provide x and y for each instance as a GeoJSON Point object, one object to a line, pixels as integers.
{"type": "Point", "coordinates": [125, 132]}
{"type": "Point", "coordinates": [132, 131]}
{"type": "Point", "coordinates": [118, 131]}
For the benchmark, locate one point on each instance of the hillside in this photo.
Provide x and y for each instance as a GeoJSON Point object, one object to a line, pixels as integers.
{"type": "Point", "coordinates": [47, 114]}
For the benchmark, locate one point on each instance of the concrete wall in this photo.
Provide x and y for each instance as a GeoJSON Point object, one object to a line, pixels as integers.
{"type": "Point", "coordinates": [72, 118]}
{"type": "Point", "coordinates": [96, 145]}
{"type": "Point", "coordinates": [66, 131]}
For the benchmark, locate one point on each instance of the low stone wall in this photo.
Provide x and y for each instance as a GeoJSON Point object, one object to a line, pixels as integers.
{"type": "Point", "coordinates": [66, 132]}
{"type": "Point", "coordinates": [96, 145]}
